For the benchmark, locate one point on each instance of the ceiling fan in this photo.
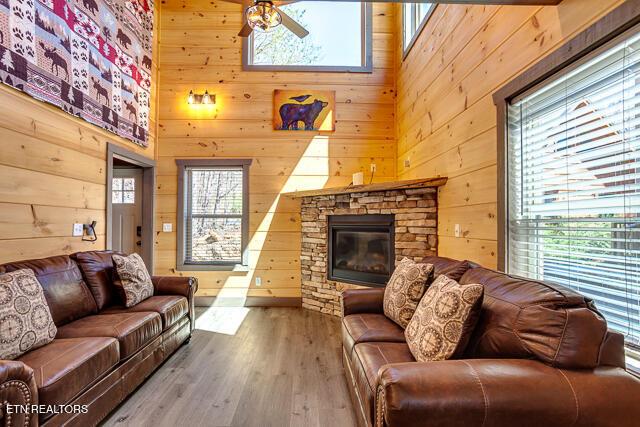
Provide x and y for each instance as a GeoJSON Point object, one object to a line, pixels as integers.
{"type": "Point", "coordinates": [265, 15]}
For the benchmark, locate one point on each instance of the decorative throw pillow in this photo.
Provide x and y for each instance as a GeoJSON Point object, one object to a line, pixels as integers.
{"type": "Point", "coordinates": [405, 289]}
{"type": "Point", "coordinates": [135, 282]}
{"type": "Point", "coordinates": [25, 319]}
{"type": "Point", "coordinates": [444, 320]}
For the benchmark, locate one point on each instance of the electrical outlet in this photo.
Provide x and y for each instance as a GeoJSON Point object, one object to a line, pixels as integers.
{"type": "Point", "coordinates": [167, 227]}
{"type": "Point", "coordinates": [258, 281]}
{"type": "Point", "coordinates": [407, 163]}
{"type": "Point", "coordinates": [373, 167]}
{"type": "Point", "coordinates": [78, 230]}
{"type": "Point", "coordinates": [457, 231]}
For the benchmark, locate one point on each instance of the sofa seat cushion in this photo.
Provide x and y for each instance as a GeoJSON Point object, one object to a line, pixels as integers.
{"type": "Point", "coordinates": [369, 327]}
{"type": "Point", "coordinates": [367, 359]}
{"type": "Point", "coordinates": [132, 330]}
{"type": "Point", "coordinates": [171, 308]}
{"type": "Point", "coordinates": [66, 367]}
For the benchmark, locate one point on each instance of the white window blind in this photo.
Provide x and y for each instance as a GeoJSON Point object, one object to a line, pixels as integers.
{"type": "Point", "coordinates": [574, 183]}
{"type": "Point", "coordinates": [213, 217]}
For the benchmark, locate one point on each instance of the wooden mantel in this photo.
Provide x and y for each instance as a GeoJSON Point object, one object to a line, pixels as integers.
{"type": "Point", "coordinates": [380, 186]}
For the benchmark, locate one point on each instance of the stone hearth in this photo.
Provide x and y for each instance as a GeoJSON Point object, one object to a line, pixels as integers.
{"type": "Point", "coordinates": [416, 219]}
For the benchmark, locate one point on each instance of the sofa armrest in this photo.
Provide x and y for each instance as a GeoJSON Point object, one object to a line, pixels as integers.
{"type": "Point", "coordinates": [176, 285]}
{"type": "Point", "coordinates": [17, 387]}
{"type": "Point", "coordinates": [503, 392]}
{"type": "Point", "coordinates": [362, 301]}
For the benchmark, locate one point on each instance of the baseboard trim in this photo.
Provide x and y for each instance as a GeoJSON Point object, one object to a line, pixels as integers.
{"type": "Point", "coordinates": [204, 301]}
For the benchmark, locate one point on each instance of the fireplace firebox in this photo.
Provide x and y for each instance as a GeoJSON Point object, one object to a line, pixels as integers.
{"type": "Point", "coordinates": [361, 249]}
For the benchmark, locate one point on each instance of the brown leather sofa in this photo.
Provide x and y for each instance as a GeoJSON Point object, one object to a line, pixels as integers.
{"type": "Point", "coordinates": [102, 350]}
{"type": "Point", "coordinates": [540, 355]}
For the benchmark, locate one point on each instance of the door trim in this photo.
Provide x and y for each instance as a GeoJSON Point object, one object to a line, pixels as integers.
{"type": "Point", "coordinates": [148, 198]}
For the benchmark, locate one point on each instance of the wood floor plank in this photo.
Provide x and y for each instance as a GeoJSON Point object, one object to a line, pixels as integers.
{"type": "Point", "coordinates": [280, 367]}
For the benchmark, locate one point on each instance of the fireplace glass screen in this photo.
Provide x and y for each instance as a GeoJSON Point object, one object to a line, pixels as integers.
{"type": "Point", "coordinates": [361, 248]}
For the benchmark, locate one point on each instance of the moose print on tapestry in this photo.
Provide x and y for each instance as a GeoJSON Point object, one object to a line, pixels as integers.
{"type": "Point", "coordinates": [91, 58]}
{"type": "Point", "coordinates": [303, 110]}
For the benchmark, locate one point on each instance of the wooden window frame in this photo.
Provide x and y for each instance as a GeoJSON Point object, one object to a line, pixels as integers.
{"type": "Point", "coordinates": [366, 58]}
{"type": "Point", "coordinates": [183, 193]}
{"type": "Point", "coordinates": [615, 23]}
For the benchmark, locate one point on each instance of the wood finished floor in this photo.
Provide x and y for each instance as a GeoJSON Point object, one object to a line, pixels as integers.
{"type": "Point", "coordinates": [282, 367]}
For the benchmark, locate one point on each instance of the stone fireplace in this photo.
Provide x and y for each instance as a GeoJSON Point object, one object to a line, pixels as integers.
{"type": "Point", "coordinates": [353, 237]}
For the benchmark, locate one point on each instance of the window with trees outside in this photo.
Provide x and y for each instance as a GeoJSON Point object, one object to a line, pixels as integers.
{"type": "Point", "coordinates": [573, 173]}
{"type": "Point", "coordinates": [414, 18]}
{"type": "Point", "coordinates": [213, 205]}
{"type": "Point", "coordinates": [340, 39]}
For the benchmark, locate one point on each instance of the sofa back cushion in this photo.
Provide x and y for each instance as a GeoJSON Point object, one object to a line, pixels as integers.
{"type": "Point", "coordinates": [451, 268]}
{"type": "Point", "coordinates": [99, 274]}
{"type": "Point", "coordinates": [530, 319]}
{"type": "Point", "coordinates": [64, 289]}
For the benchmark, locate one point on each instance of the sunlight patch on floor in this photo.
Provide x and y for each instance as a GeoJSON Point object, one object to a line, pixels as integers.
{"type": "Point", "coordinates": [222, 320]}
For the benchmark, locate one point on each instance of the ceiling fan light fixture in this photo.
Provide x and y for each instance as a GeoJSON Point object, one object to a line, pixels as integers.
{"type": "Point", "coordinates": [263, 16]}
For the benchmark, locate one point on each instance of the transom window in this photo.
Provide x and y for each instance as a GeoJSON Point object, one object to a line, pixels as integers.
{"type": "Point", "coordinates": [123, 190]}
{"type": "Point", "coordinates": [339, 39]}
{"type": "Point", "coordinates": [414, 18]}
{"type": "Point", "coordinates": [573, 173]}
{"type": "Point", "coordinates": [213, 228]}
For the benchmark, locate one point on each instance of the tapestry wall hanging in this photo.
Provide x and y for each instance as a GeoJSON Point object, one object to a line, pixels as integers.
{"type": "Point", "coordinates": [91, 58]}
{"type": "Point", "coordinates": [304, 110]}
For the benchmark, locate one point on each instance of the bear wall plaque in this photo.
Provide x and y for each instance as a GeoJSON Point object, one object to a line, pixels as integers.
{"type": "Point", "coordinates": [310, 110]}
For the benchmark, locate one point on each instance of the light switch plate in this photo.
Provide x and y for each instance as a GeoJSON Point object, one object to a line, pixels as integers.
{"type": "Point", "coordinates": [78, 230]}
{"type": "Point", "coordinates": [167, 227]}
{"type": "Point", "coordinates": [258, 281]}
{"type": "Point", "coordinates": [457, 230]}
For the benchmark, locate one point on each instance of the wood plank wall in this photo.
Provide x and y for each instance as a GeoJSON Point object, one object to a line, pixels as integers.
{"type": "Point", "coordinates": [446, 120]}
{"type": "Point", "coordinates": [199, 50]}
{"type": "Point", "coordinates": [53, 174]}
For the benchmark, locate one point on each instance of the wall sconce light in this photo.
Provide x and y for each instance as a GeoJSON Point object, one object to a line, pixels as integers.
{"type": "Point", "coordinates": [204, 98]}
{"type": "Point", "coordinates": [89, 232]}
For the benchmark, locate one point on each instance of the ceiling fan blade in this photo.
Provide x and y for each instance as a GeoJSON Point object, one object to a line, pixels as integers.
{"type": "Point", "coordinates": [245, 31]}
{"type": "Point", "coordinates": [292, 25]}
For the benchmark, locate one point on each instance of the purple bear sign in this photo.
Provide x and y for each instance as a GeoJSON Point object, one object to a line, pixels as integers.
{"type": "Point", "coordinates": [309, 110]}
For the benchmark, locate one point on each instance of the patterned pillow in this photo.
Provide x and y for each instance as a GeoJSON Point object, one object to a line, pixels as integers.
{"type": "Point", "coordinates": [25, 319]}
{"type": "Point", "coordinates": [444, 320]}
{"type": "Point", "coordinates": [135, 282]}
{"type": "Point", "coordinates": [404, 290]}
